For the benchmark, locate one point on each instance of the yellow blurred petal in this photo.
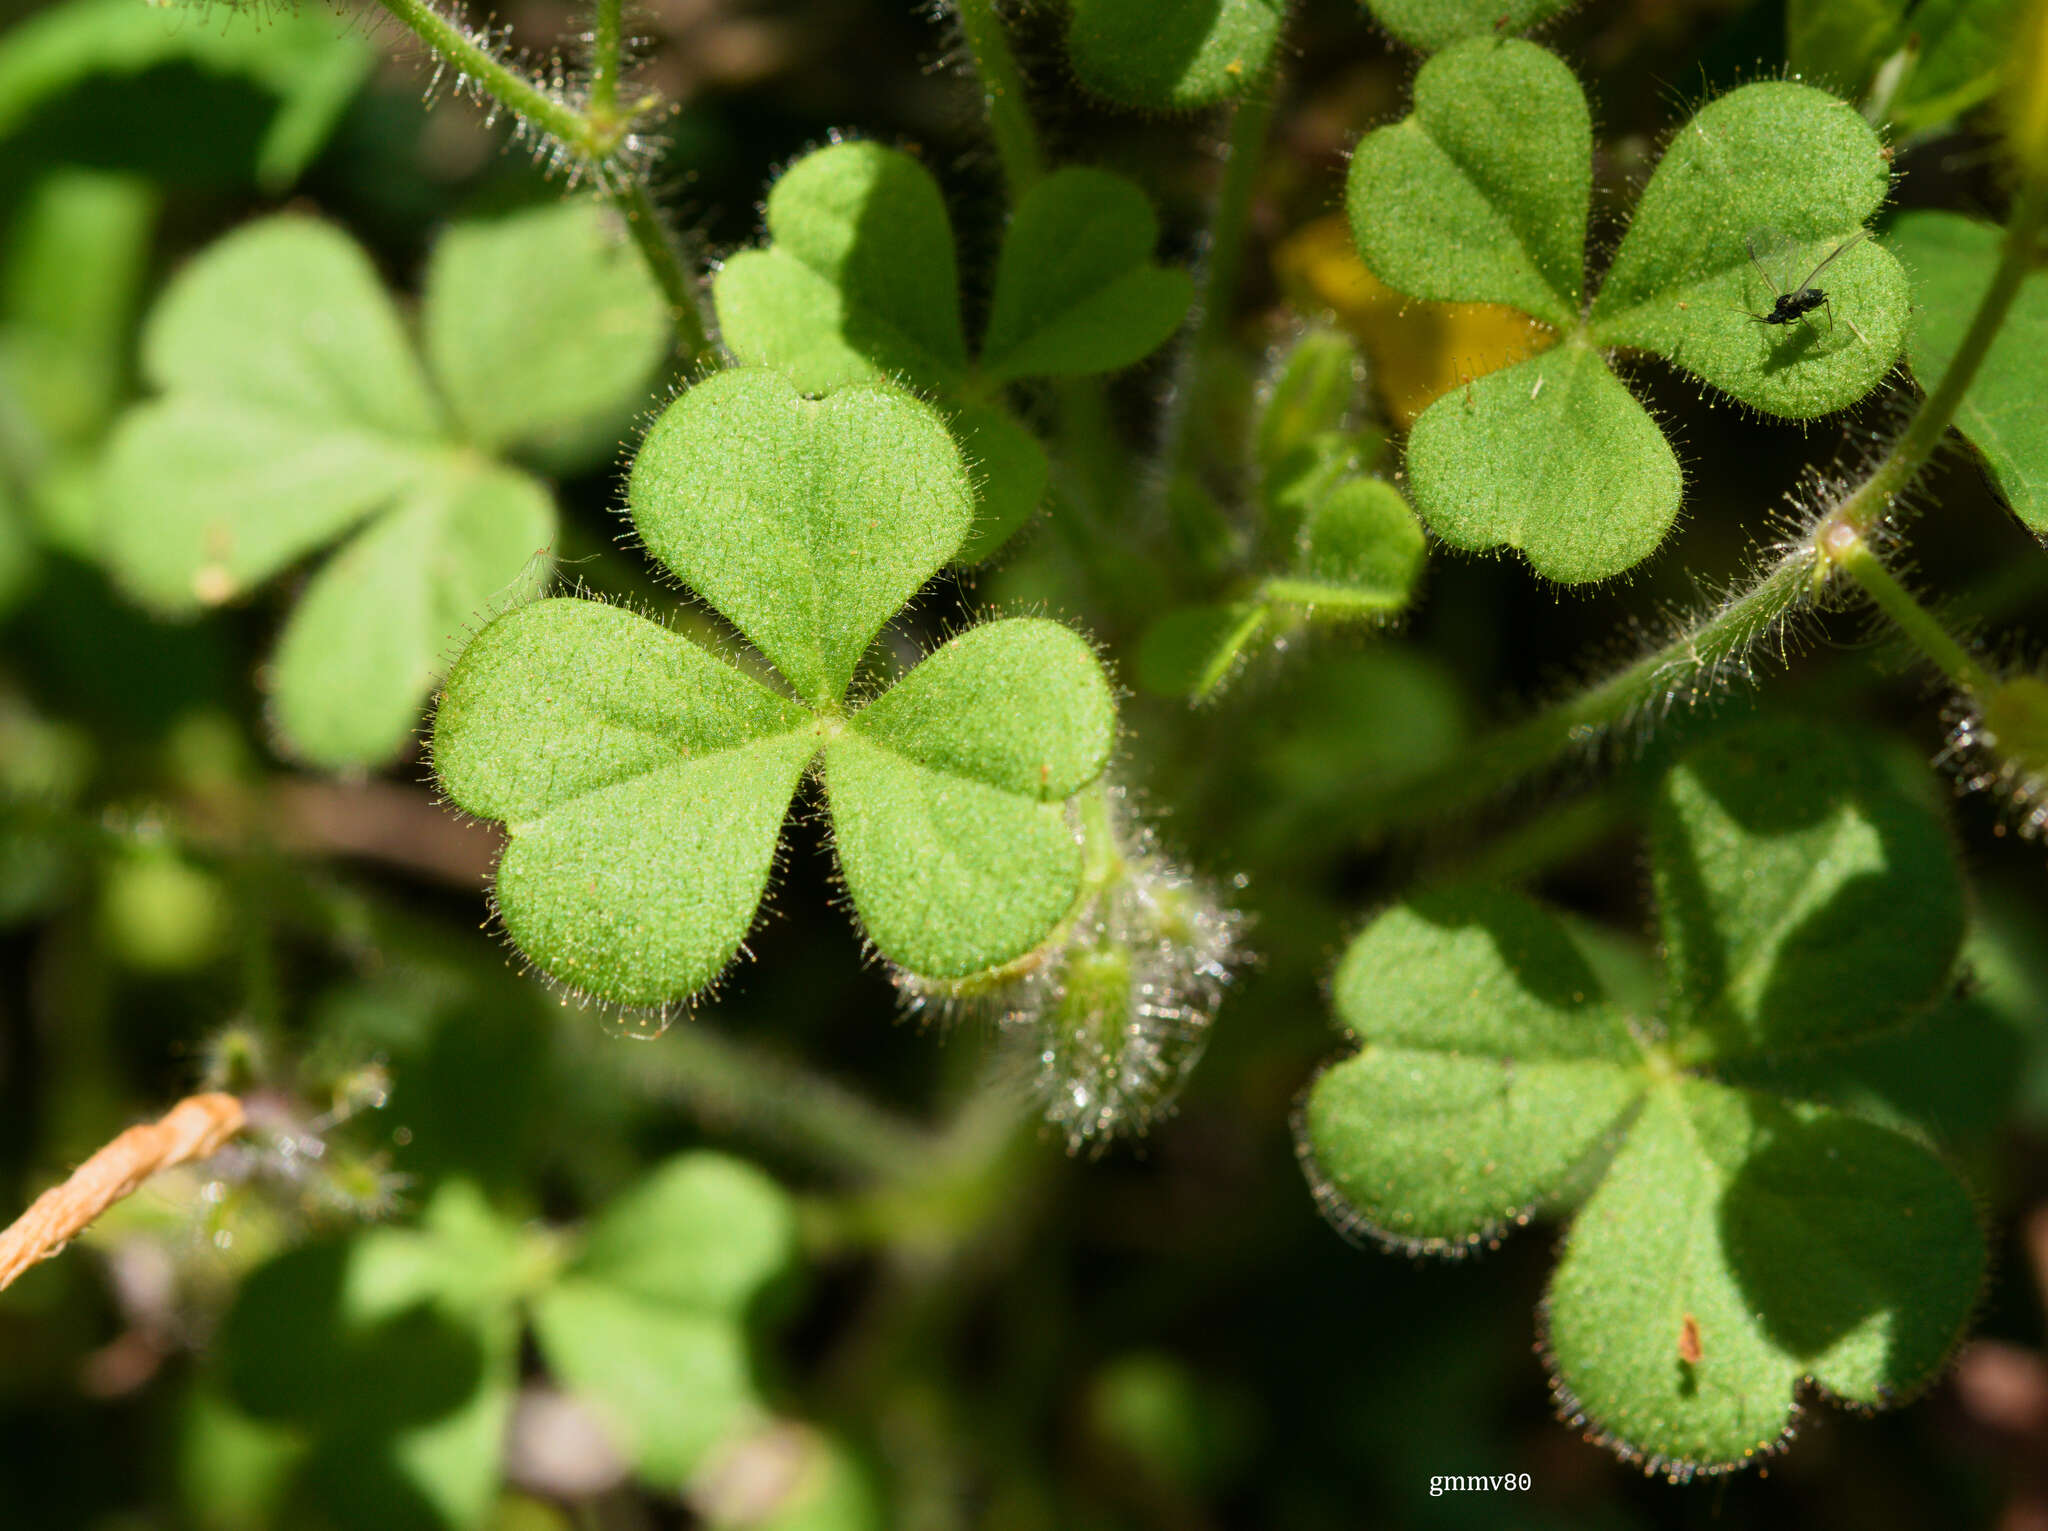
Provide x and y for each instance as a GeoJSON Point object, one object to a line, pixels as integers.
{"type": "Point", "coordinates": [1418, 351]}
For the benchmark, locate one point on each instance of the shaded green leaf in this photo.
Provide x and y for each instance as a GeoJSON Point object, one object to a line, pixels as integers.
{"type": "Point", "coordinates": [1952, 259]}
{"type": "Point", "coordinates": [544, 328]}
{"type": "Point", "coordinates": [1947, 54]}
{"type": "Point", "coordinates": [671, 1383]}
{"type": "Point", "coordinates": [75, 260]}
{"type": "Point", "coordinates": [1310, 394]}
{"type": "Point", "coordinates": [1775, 164]}
{"type": "Point", "coordinates": [1481, 193]}
{"type": "Point", "coordinates": [644, 784]}
{"type": "Point", "coordinates": [311, 65]}
{"type": "Point", "coordinates": [1806, 895]}
{"type": "Point", "coordinates": [1077, 290]}
{"type": "Point", "coordinates": [1780, 1243]}
{"type": "Point", "coordinates": [1361, 552]}
{"type": "Point", "coordinates": [807, 523]}
{"type": "Point", "coordinates": [1193, 649]}
{"type": "Point", "coordinates": [1433, 24]}
{"type": "Point", "coordinates": [1173, 57]}
{"type": "Point", "coordinates": [378, 622]}
{"type": "Point", "coordinates": [859, 281]}
{"type": "Point", "coordinates": [1010, 474]}
{"type": "Point", "coordinates": [703, 1232]}
{"type": "Point", "coordinates": [1552, 456]}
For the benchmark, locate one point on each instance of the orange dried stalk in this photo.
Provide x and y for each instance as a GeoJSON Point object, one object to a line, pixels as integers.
{"type": "Point", "coordinates": [192, 1129]}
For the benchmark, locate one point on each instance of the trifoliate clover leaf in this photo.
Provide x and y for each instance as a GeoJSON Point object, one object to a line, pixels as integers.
{"type": "Point", "coordinates": [1952, 259]}
{"type": "Point", "coordinates": [1174, 57]}
{"type": "Point", "coordinates": [292, 408]}
{"type": "Point", "coordinates": [644, 781]}
{"type": "Point", "coordinates": [1741, 1234]}
{"type": "Point", "coordinates": [1481, 195]}
{"type": "Point", "coordinates": [860, 283]}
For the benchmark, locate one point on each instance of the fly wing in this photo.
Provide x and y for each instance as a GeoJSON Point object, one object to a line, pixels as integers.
{"type": "Point", "coordinates": [1768, 247]}
{"type": "Point", "coordinates": [1828, 259]}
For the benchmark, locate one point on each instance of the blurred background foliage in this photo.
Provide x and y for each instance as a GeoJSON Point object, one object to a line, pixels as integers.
{"type": "Point", "coordinates": [798, 1263]}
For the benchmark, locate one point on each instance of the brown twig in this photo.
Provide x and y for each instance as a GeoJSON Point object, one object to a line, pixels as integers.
{"type": "Point", "coordinates": [192, 1129]}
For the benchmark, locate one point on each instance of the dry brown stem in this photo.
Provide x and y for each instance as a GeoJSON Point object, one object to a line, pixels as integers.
{"type": "Point", "coordinates": [192, 1129]}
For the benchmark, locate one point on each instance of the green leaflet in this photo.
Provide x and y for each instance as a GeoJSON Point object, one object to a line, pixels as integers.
{"type": "Point", "coordinates": [644, 781]}
{"type": "Point", "coordinates": [1951, 52]}
{"type": "Point", "coordinates": [1173, 57]}
{"type": "Point", "coordinates": [1780, 158]}
{"type": "Point", "coordinates": [649, 1324]}
{"type": "Point", "coordinates": [312, 67]}
{"type": "Point", "coordinates": [1805, 896]}
{"type": "Point", "coordinates": [1493, 465]}
{"type": "Point", "coordinates": [292, 407]}
{"type": "Point", "coordinates": [1076, 290]}
{"type": "Point", "coordinates": [394, 1355]}
{"type": "Point", "coordinates": [1794, 1241]}
{"type": "Point", "coordinates": [1481, 195]}
{"type": "Point", "coordinates": [1488, 1051]}
{"type": "Point", "coordinates": [1783, 1222]}
{"type": "Point", "coordinates": [859, 283]}
{"type": "Point", "coordinates": [1433, 24]}
{"type": "Point", "coordinates": [391, 1358]}
{"type": "Point", "coordinates": [544, 328]}
{"type": "Point", "coordinates": [1192, 650]}
{"type": "Point", "coordinates": [808, 523]}
{"type": "Point", "coordinates": [1952, 259]}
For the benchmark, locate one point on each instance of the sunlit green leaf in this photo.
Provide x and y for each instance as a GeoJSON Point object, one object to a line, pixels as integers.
{"type": "Point", "coordinates": [1433, 24]}
{"type": "Point", "coordinates": [807, 523]}
{"type": "Point", "coordinates": [1552, 456]}
{"type": "Point", "coordinates": [859, 281]}
{"type": "Point", "coordinates": [1481, 193]}
{"type": "Point", "coordinates": [644, 784]}
{"type": "Point", "coordinates": [1780, 176]}
{"type": "Point", "coordinates": [1489, 1065]}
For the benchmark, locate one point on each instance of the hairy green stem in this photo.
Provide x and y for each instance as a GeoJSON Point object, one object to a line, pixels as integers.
{"type": "Point", "coordinates": [1251, 124]}
{"type": "Point", "coordinates": [599, 138]}
{"type": "Point", "coordinates": [1002, 94]}
{"type": "Point", "coordinates": [1874, 497]}
{"type": "Point", "coordinates": [605, 41]}
{"type": "Point", "coordinates": [728, 1085]}
{"type": "Point", "coordinates": [1674, 671]}
{"type": "Point", "coordinates": [1854, 557]}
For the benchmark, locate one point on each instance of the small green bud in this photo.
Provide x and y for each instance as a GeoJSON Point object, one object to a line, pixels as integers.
{"type": "Point", "coordinates": [2003, 745]}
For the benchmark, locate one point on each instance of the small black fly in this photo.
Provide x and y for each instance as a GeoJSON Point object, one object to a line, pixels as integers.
{"type": "Point", "coordinates": [1804, 297]}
